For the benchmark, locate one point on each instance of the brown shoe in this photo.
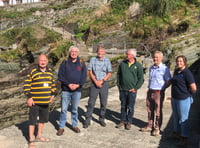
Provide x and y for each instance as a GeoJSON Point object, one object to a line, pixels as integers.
{"type": "Point", "coordinates": [183, 142]}
{"type": "Point", "coordinates": [120, 125]}
{"type": "Point", "coordinates": [156, 132]}
{"type": "Point", "coordinates": [146, 129]}
{"type": "Point", "coordinates": [76, 130]}
{"type": "Point", "coordinates": [128, 126]}
{"type": "Point", "coordinates": [173, 136]}
{"type": "Point", "coordinates": [60, 132]}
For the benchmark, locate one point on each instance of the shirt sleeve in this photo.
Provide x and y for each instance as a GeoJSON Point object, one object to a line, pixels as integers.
{"type": "Point", "coordinates": [53, 87]}
{"type": "Point", "coordinates": [27, 85]}
{"type": "Point", "coordinates": [84, 74]}
{"type": "Point", "coordinates": [189, 78]}
{"type": "Point", "coordinates": [118, 76]}
{"type": "Point", "coordinates": [90, 64]}
{"type": "Point", "coordinates": [167, 75]}
{"type": "Point", "coordinates": [109, 66]}
{"type": "Point", "coordinates": [61, 74]}
{"type": "Point", "coordinates": [140, 76]}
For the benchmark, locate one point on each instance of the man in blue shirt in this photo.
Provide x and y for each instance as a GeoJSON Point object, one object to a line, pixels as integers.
{"type": "Point", "coordinates": [72, 75]}
{"type": "Point", "coordinates": [100, 71]}
{"type": "Point", "coordinates": [159, 76]}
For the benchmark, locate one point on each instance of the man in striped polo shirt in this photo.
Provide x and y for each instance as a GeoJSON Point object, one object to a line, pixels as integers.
{"type": "Point", "coordinates": [39, 87]}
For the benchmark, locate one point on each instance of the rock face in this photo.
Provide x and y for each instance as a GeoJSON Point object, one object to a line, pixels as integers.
{"type": "Point", "coordinates": [187, 44]}
{"type": "Point", "coordinates": [13, 107]}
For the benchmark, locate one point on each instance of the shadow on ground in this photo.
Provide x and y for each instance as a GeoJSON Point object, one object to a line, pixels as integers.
{"type": "Point", "coordinates": [194, 128]}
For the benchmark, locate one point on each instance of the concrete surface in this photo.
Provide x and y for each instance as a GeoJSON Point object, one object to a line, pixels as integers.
{"type": "Point", "coordinates": [107, 137]}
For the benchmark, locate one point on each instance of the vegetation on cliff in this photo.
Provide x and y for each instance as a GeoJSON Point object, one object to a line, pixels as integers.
{"type": "Point", "coordinates": [155, 22]}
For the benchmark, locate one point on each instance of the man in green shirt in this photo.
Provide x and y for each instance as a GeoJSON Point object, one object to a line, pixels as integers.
{"type": "Point", "coordinates": [130, 78]}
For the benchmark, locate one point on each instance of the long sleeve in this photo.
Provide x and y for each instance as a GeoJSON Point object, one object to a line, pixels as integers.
{"type": "Point", "coordinates": [140, 76]}
{"type": "Point", "coordinates": [61, 74]}
{"type": "Point", "coordinates": [118, 76]}
{"type": "Point", "coordinates": [84, 73]}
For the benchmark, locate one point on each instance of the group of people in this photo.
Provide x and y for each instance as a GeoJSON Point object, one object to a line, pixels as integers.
{"type": "Point", "coordinates": [182, 88]}
{"type": "Point", "coordinates": [40, 89]}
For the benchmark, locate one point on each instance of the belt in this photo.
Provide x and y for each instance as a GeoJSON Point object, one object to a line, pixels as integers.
{"type": "Point", "coordinates": [154, 90]}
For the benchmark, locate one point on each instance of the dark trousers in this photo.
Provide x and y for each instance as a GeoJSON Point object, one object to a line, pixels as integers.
{"type": "Point", "coordinates": [154, 104]}
{"type": "Point", "coordinates": [103, 95]}
{"type": "Point", "coordinates": [127, 105]}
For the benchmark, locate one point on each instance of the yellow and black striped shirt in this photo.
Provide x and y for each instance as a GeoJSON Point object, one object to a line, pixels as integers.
{"type": "Point", "coordinates": [40, 85]}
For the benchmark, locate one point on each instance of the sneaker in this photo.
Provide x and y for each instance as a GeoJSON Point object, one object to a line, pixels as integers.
{"type": "Point", "coordinates": [128, 126]}
{"type": "Point", "coordinates": [156, 132]}
{"type": "Point", "coordinates": [146, 129]}
{"type": "Point", "coordinates": [120, 125]}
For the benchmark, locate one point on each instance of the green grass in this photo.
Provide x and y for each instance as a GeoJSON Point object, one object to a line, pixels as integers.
{"type": "Point", "coordinates": [61, 49]}
{"type": "Point", "coordinates": [35, 37]}
{"type": "Point", "coordinates": [10, 55]}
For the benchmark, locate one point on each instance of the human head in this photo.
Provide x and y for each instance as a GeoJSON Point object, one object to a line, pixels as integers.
{"type": "Point", "coordinates": [42, 61]}
{"type": "Point", "coordinates": [100, 52]}
{"type": "Point", "coordinates": [157, 57]}
{"type": "Point", "coordinates": [131, 54]}
{"type": "Point", "coordinates": [73, 52]}
{"type": "Point", "coordinates": [181, 62]}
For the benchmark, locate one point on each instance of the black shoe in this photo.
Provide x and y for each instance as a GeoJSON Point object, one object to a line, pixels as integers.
{"type": "Point", "coordinates": [103, 123]}
{"type": "Point", "coordinates": [86, 124]}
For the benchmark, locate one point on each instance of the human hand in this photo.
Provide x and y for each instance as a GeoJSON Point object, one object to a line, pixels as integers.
{"type": "Point", "coordinates": [132, 90]}
{"type": "Point", "coordinates": [52, 99]}
{"type": "Point", "coordinates": [73, 86]}
{"type": "Point", "coordinates": [99, 83]}
{"type": "Point", "coordinates": [30, 102]}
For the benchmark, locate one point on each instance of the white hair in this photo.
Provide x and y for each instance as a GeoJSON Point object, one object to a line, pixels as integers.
{"type": "Point", "coordinates": [133, 51]}
{"type": "Point", "coordinates": [159, 52]}
{"type": "Point", "coordinates": [73, 47]}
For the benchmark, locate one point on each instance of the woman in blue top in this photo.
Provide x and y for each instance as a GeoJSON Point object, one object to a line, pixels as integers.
{"type": "Point", "coordinates": [183, 85]}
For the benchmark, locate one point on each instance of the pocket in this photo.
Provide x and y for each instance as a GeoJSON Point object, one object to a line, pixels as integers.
{"type": "Point", "coordinates": [104, 68]}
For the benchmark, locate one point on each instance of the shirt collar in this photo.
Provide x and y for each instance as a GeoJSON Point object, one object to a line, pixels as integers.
{"type": "Point", "coordinates": [38, 68]}
{"type": "Point", "coordinates": [155, 66]}
{"type": "Point", "coordinates": [99, 59]}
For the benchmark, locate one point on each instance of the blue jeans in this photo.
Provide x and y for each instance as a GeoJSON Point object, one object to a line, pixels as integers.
{"type": "Point", "coordinates": [127, 105]}
{"type": "Point", "coordinates": [74, 98]}
{"type": "Point", "coordinates": [180, 115]}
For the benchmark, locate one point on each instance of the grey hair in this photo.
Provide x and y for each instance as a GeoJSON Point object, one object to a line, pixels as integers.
{"type": "Point", "coordinates": [133, 51]}
{"type": "Point", "coordinates": [159, 52]}
{"type": "Point", "coordinates": [73, 47]}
